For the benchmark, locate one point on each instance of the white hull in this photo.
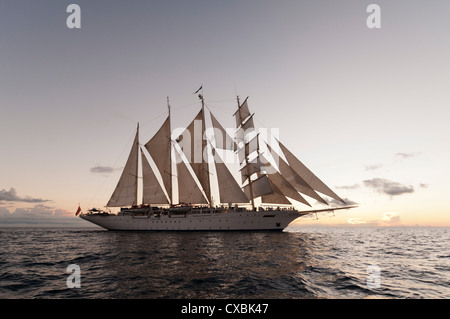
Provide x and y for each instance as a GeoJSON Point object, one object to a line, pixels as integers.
{"type": "Point", "coordinates": [194, 221]}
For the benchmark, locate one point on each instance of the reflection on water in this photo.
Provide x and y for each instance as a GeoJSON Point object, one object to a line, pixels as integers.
{"type": "Point", "coordinates": [206, 264]}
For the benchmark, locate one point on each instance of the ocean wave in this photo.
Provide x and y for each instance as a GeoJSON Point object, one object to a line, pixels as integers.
{"type": "Point", "coordinates": [311, 263]}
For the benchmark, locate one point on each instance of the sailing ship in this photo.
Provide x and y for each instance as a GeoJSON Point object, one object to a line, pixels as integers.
{"type": "Point", "coordinates": [185, 190]}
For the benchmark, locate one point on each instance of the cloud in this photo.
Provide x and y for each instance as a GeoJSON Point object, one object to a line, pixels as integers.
{"type": "Point", "coordinates": [387, 187]}
{"type": "Point", "coordinates": [4, 212]}
{"type": "Point", "coordinates": [387, 219]}
{"type": "Point", "coordinates": [11, 196]}
{"type": "Point", "coordinates": [423, 185]}
{"type": "Point", "coordinates": [39, 215]}
{"type": "Point", "coordinates": [373, 167]}
{"type": "Point", "coordinates": [407, 155]}
{"type": "Point", "coordinates": [348, 187]}
{"type": "Point", "coordinates": [102, 169]}
{"type": "Point", "coordinates": [355, 221]}
{"type": "Point", "coordinates": [335, 203]}
{"type": "Point", "coordinates": [390, 219]}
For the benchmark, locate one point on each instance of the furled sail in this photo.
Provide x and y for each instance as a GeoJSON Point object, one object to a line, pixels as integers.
{"type": "Point", "coordinates": [152, 193]}
{"type": "Point", "coordinates": [125, 193]}
{"type": "Point", "coordinates": [159, 147]}
{"type": "Point", "coordinates": [307, 175]}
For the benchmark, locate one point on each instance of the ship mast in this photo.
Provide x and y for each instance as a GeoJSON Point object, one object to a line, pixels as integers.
{"type": "Point", "coordinates": [137, 166]}
{"type": "Point", "coordinates": [246, 157]}
{"type": "Point", "coordinates": [170, 156]}
{"type": "Point", "coordinates": [204, 151]}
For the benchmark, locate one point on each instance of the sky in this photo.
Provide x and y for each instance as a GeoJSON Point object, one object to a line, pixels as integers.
{"type": "Point", "coordinates": [366, 109]}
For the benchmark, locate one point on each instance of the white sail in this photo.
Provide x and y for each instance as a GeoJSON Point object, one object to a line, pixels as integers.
{"type": "Point", "coordinates": [245, 129]}
{"type": "Point", "coordinates": [260, 187]}
{"type": "Point", "coordinates": [229, 189]}
{"type": "Point", "coordinates": [159, 147]}
{"type": "Point", "coordinates": [188, 190]}
{"type": "Point", "coordinates": [248, 148]}
{"type": "Point", "coordinates": [223, 140]}
{"type": "Point", "coordinates": [125, 193]}
{"type": "Point", "coordinates": [277, 197]}
{"type": "Point", "coordinates": [294, 179]}
{"type": "Point", "coordinates": [307, 175]}
{"type": "Point", "coordinates": [193, 145]}
{"type": "Point", "coordinates": [255, 166]}
{"type": "Point", "coordinates": [152, 193]}
{"type": "Point", "coordinates": [190, 140]}
{"type": "Point", "coordinates": [286, 188]}
{"type": "Point", "coordinates": [242, 113]}
{"type": "Point", "coordinates": [271, 183]}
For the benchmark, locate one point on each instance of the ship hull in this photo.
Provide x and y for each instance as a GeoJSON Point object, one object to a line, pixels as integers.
{"type": "Point", "coordinates": [276, 220]}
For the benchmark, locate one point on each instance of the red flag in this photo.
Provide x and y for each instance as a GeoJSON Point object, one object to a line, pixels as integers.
{"type": "Point", "coordinates": [78, 210]}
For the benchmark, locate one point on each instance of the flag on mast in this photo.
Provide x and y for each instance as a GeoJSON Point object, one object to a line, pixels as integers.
{"type": "Point", "coordinates": [78, 210]}
{"type": "Point", "coordinates": [198, 89]}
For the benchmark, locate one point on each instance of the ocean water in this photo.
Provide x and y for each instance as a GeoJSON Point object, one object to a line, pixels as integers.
{"type": "Point", "coordinates": [302, 262]}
